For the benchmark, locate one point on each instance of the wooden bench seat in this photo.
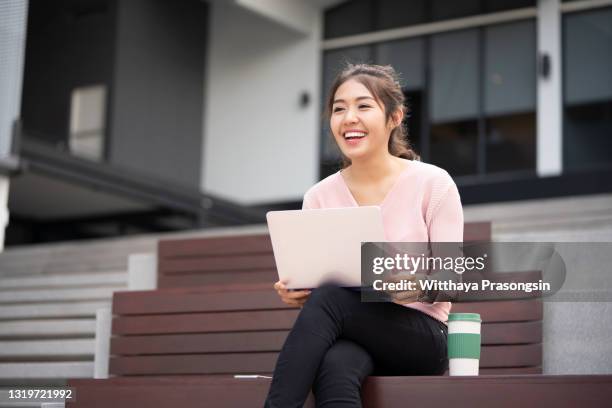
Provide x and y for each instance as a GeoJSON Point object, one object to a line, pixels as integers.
{"type": "Point", "coordinates": [207, 330]}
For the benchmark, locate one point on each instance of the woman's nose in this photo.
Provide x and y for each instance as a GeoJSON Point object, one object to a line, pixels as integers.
{"type": "Point", "coordinates": [350, 116]}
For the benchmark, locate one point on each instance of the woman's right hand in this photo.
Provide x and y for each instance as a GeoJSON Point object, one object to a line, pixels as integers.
{"type": "Point", "coordinates": [290, 296]}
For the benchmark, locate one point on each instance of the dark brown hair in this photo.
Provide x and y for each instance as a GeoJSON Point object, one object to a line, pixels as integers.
{"type": "Point", "coordinates": [383, 84]}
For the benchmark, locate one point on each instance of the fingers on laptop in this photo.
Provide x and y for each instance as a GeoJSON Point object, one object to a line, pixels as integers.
{"type": "Point", "coordinates": [293, 298]}
{"type": "Point", "coordinates": [406, 296]}
{"type": "Point", "coordinates": [294, 294]}
{"type": "Point", "coordinates": [297, 301]}
{"type": "Point", "coordinates": [298, 296]}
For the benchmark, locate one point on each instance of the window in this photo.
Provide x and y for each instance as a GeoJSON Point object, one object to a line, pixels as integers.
{"type": "Point", "coordinates": [454, 101]}
{"type": "Point", "coordinates": [87, 122]}
{"type": "Point", "coordinates": [587, 99]}
{"type": "Point", "coordinates": [510, 96]}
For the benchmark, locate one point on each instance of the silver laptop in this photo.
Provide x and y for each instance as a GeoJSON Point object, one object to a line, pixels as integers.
{"type": "Point", "coordinates": [312, 247]}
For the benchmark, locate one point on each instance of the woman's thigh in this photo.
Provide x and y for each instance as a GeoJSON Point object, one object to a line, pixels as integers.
{"type": "Point", "coordinates": [401, 340]}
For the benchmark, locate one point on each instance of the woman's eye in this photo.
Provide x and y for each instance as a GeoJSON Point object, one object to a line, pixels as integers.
{"type": "Point", "coordinates": [364, 106]}
{"type": "Point", "coordinates": [338, 109]}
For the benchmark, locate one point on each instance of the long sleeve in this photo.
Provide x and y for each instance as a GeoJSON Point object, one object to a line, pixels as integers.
{"type": "Point", "coordinates": [445, 225]}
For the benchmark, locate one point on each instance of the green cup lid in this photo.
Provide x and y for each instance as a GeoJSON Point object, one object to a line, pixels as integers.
{"type": "Point", "coordinates": [464, 317]}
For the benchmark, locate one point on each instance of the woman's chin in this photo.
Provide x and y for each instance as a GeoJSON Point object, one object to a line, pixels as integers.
{"type": "Point", "coordinates": [355, 155]}
{"type": "Point", "coordinates": [361, 151]}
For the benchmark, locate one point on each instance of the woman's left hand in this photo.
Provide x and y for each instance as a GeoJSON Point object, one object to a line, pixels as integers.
{"type": "Point", "coordinates": [405, 296]}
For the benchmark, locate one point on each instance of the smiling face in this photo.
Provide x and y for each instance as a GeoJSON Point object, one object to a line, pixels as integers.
{"type": "Point", "coordinates": [358, 122]}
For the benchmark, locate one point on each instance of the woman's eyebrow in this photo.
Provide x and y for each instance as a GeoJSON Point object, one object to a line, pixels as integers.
{"type": "Point", "coordinates": [357, 99]}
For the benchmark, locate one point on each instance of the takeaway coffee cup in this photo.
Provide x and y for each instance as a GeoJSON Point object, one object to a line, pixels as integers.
{"type": "Point", "coordinates": [463, 343]}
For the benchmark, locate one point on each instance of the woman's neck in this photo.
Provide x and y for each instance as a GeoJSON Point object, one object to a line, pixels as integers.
{"type": "Point", "coordinates": [375, 169]}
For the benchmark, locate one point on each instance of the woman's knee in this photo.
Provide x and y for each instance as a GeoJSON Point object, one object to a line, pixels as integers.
{"type": "Point", "coordinates": [329, 292]}
{"type": "Point", "coordinates": [346, 360]}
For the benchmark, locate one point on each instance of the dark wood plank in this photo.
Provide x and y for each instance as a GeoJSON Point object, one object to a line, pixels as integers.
{"type": "Point", "coordinates": [492, 334]}
{"type": "Point", "coordinates": [561, 391]}
{"type": "Point", "coordinates": [509, 370]}
{"type": "Point", "coordinates": [477, 231]}
{"type": "Point", "coordinates": [490, 391]}
{"type": "Point", "coordinates": [228, 264]}
{"type": "Point", "coordinates": [263, 362]}
{"type": "Point", "coordinates": [205, 322]}
{"type": "Point", "coordinates": [511, 355]}
{"type": "Point", "coordinates": [217, 278]}
{"type": "Point", "coordinates": [229, 245]}
{"type": "Point", "coordinates": [247, 363]}
{"type": "Point", "coordinates": [199, 343]}
{"type": "Point", "coordinates": [503, 310]}
{"type": "Point", "coordinates": [201, 300]}
{"type": "Point", "coordinates": [208, 322]}
{"type": "Point", "coordinates": [183, 391]}
{"type": "Point", "coordinates": [195, 300]}
{"type": "Point", "coordinates": [512, 332]}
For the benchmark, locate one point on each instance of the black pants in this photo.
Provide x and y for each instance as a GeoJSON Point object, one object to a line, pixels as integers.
{"type": "Point", "coordinates": [337, 341]}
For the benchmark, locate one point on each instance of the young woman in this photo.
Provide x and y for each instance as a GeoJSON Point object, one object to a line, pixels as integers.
{"type": "Point", "coordinates": [337, 341]}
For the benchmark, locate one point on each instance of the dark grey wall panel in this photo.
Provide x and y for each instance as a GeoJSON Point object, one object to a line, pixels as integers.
{"type": "Point", "coordinates": [158, 88]}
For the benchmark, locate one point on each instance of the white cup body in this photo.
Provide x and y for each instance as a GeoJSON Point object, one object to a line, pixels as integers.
{"type": "Point", "coordinates": [463, 327]}
{"type": "Point", "coordinates": [463, 366]}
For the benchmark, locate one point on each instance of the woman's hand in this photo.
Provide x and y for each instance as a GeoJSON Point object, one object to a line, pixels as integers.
{"type": "Point", "coordinates": [405, 296]}
{"type": "Point", "coordinates": [291, 297]}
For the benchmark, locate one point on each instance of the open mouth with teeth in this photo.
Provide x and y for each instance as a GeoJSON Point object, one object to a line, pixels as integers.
{"type": "Point", "coordinates": [354, 135]}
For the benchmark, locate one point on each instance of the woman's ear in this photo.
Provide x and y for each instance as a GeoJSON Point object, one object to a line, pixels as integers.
{"type": "Point", "coordinates": [396, 118]}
